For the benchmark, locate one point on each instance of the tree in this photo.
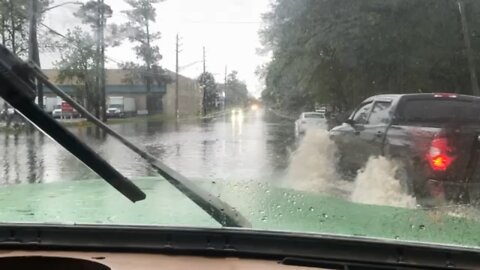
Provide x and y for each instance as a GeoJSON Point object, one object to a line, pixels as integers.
{"type": "Point", "coordinates": [13, 25]}
{"type": "Point", "coordinates": [36, 9]}
{"type": "Point", "coordinates": [209, 88]}
{"type": "Point", "coordinates": [138, 30]}
{"type": "Point", "coordinates": [340, 52]}
{"type": "Point", "coordinates": [95, 13]}
{"type": "Point", "coordinates": [236, 94]}
{"type": "Point", "coordinates": [78, 66]}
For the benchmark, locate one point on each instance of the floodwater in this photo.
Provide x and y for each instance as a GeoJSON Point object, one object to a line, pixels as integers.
{"type": "Point", "coordinates": [239, 146]}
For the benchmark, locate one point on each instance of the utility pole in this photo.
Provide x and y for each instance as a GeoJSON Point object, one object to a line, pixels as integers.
{"type": "Point", "coordinates": [204, 89]}
{"type": "Point", "coordinates": [468, 47]}
{"type": "Point", "coordinates": [33, 54]}
{"type": "Point", "coordinates": [103, 96]}
{"type": "Point", "coordinates": [204, 61]}
{"type": "Point", "coordinates": [225, 88]}
{"type": "Point", "coordinates": [177, 70]}
{"type": "Point", "coordinates": [97, 106]}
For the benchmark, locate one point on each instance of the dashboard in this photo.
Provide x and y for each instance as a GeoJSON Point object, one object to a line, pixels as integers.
{"type": "Point", "coordinates": [56, 260]}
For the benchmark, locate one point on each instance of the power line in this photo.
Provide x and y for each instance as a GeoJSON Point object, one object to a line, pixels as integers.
{"type": "Point", "coordinates": [222, 22]}
{"type": "Point", "coordinates": [203, 21]}
{"type": "Point", "coordinates": [189, 65]}
{"type": "Point", "coordinates": [55, 32]}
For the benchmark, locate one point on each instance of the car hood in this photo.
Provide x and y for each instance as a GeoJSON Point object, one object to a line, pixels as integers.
{"type": "Point", "coordinates": [267, 208]}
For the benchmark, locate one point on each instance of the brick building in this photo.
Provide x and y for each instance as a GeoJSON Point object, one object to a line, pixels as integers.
{"type": "Point", "coordinates": [190, 96]}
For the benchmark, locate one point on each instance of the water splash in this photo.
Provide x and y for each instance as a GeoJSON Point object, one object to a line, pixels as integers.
{"type": "Point", "coordinates": [312, 165]}
{"type": "Point", "coordinates": [313, 169]}
{"type": "Point", "coordinates": [376, 184]}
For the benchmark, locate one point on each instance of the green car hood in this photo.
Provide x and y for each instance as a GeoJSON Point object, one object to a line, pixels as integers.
{"type": "Point", "coordinates": [265, 206]}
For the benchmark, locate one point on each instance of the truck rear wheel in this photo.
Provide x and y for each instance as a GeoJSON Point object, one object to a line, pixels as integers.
{"type": "Point", "coordinates": [404, 175]}
{"type": "Point", "coordinates": [410, 177]}
{"type": "Point", "coordinates": [412, 181]}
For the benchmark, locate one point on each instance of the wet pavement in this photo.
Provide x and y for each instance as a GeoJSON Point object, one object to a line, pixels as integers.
{"type": "Point", "coordinates": [241, 146]}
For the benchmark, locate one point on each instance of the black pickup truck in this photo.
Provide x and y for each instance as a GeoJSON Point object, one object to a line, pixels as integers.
{"type": "Point", "coordinates": [434, 138]}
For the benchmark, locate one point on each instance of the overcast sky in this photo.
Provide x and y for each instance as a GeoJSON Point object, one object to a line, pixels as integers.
{"type": "Point", "coordinates": [227, 28]}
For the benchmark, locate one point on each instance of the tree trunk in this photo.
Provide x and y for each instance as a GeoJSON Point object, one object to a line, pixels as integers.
{"type": "Point", "coordinates": [97, 87]}
{"type": "Point", "coordinates": [150, 102]}
{"type": "Point", "coordinates": [204, 100]}
{"type": "Point", "coordinates": [3, 24]}
{"type": "Point", "coordinates": [103, 96]}
{"type": "Point", "coordinates": [33, 53]}
{"type": "Point", "coordinates": [13, 26]}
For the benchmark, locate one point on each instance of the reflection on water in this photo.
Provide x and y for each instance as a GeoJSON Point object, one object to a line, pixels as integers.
{"type": "Point", "coordinates": [241, 146]}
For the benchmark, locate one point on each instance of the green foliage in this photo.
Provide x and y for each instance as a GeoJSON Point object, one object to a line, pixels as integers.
{"type": "Point", "coordinates": [89, 11]}
{"type": "Point", "coordinates": [209, 88]}
{"type": "Point", "coordinates": [14, 25]}
{"type": "Point", "coordinates": [236, 93]}
{"type": "Point", "coordinates": [341, 51]}
{"type": "Point", "coordinates": [77, 65]}
{"type": "Point", "coordinates": [138, 29]}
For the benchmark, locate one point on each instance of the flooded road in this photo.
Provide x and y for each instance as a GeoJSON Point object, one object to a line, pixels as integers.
{"type": "Point", "coordinates": [247, 146]}
{"type": "Point", "coordinates": [241, 146]}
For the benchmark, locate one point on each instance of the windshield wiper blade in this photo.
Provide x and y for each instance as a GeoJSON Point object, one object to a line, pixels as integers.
{"type": "Point", "coordinates": [16, 87]}
{"type": "Point", "coordinates": [222, 212]}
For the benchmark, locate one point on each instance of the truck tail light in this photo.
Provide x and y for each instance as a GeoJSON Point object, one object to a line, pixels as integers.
{"type": "Point", "coordinates": [439, 156]}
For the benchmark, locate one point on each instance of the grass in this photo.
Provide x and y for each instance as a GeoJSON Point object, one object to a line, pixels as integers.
{"type": "Point", "coordinates": [86, 123]}
{"type": "Point", "coordinates": [15, 129]}
{"type": "Point", "coordinates": [114, 121]}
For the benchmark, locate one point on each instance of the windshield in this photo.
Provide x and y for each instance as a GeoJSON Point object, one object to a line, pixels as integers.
{"type": "Point", "coordinates": [212, 95]}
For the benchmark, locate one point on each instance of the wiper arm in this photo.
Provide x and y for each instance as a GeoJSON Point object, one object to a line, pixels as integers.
{"type": "Point", "coordinates": [216, 208]}
{"type": "Point", "coordinates": [16, 87]}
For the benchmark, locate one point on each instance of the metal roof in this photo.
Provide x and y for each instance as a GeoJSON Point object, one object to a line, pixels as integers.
{"type": "Point", "coordinates": [119, 89]}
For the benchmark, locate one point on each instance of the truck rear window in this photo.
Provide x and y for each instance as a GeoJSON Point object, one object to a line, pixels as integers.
{"type": "Point", "coordinates": [440, 111]}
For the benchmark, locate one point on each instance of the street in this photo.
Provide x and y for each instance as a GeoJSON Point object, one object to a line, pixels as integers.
{"type": "Point", "coordinates": [238, 146]}
{"type": "Point", "coordinates": [251, 145]}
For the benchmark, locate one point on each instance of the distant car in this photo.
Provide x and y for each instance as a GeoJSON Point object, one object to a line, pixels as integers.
{"type": "Point", "coordinates": [57, 111]}
{"type": "Point", "coordinates": [321, 110]}
{"type": "Point", "coordinates": [64, 110]}
{"type": "Point", "coordinates": [10, 111]}
{"type": "Point", "coordinates": [309, 120]}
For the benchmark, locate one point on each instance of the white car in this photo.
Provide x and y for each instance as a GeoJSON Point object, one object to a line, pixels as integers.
{"type": "Point", "coordinates": [57, 111]}
{"type": "Point", "coordinates": [9, 111]}
{"type": "Point", "coordinates": [308, 120]}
